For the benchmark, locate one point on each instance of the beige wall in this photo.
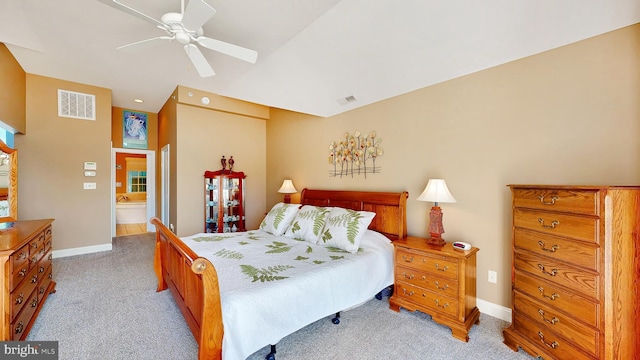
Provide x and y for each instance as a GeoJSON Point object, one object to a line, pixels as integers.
{"type": "Point", "coordinates": [50, 163]}
{"type": "Point", "coordinates": [13, 83]}
{"type": "Point", "coordinates": [566, 116]}
{"type": "Point", "coordinates": [199, 135]}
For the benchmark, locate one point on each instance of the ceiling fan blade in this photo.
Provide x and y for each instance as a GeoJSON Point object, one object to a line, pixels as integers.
{"type": "Point", "coordinates": [199, 62]}
{"type": "Point", "coordinates": [131, 11]}
{"type": "Point", "coordinates": [145, 43]}
{"type": "Point", "coordinates": [196, 14]}
{"type": "Point", "coordinates": [229, 49]}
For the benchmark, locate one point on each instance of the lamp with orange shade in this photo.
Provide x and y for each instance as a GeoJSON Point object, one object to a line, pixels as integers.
{"type": "Point", "coordinates": [437, 192]}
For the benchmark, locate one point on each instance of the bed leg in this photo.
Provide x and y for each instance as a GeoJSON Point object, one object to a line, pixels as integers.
{"type": "Point", "coordinates": [272, 354]}
{"type": "Point", "coordinates": [336, 320]}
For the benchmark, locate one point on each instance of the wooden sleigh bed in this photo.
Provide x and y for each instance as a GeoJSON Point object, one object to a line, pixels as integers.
{"type": "Point", "coordinates": [194, 282]}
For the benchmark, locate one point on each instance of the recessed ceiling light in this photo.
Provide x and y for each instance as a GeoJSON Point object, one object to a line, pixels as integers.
{"type": "Point", "coordinates": [138, 100]}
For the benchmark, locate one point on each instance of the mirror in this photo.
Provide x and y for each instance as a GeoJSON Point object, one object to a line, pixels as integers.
{"type": "Point", "coordinates": [8, 183]}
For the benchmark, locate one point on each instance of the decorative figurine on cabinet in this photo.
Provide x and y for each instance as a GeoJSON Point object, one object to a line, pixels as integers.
{"type": "Point", "coordinates": [231, 161]}
{"type": "Point", "coordinates": [223, 162]}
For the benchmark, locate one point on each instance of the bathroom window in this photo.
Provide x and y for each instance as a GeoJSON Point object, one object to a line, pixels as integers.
{"type": "Point", "coordinates": [137, 181]}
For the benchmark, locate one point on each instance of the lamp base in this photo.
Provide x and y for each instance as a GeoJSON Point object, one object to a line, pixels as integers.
{"type": "Point", "coordinates": [287, 198]}
{"type": "Point", "coordinates": [436, 240]}
{"type": "Point", "coordinates": [435, 227]}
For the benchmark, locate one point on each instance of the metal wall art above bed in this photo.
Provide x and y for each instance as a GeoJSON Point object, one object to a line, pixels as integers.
{"type": "Point", "coordinates": [355, 154]}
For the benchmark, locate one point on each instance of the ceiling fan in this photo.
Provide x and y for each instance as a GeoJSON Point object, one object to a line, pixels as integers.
{"type": "Point", "coordinates": [186, 28]}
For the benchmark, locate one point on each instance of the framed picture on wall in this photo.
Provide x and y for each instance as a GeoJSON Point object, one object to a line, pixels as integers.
{"type": "Point", "coordinates": [134, 126]}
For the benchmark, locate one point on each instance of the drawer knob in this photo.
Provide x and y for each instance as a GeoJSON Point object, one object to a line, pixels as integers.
{"type": "Point", "coordinates": [408, 293]}
{"type": "Point", "coordinates": [19, 299]}
{"type": "Point", "coordinates": [404, 257]}
{"type": "Point", "coordinates": [23, 255]}
{"type": "Point", "coordinates": [552, 321]}
{"type": "Point", "coordinates": [34, 279]}
{"type": "Point", "coordinates": [552, 297]}
{"type": "Point", "coordinates": [34, 302]}
{"type": "Point", "coordinates": [552, 249]}
{"type": "Point", "coordinates": [444, 268]}
{"type": "Point", "coordinates": [552, 226]}
{"type": "Point", "coordinates": [20, 327]}
{"type": "Point", "coordinates": [22, 272]}
{"type": "Point", "coordinates": [553, 272]}
{"type": "Point", "coordinates": [442, 306]}
{"type": "Point", "coordinates": [552, 345]}
{"type": "Point", "coordinates": [410, 277]}
{"type": "Point", "coordinates": [553, 200]}
{"type": "Point", "coordinates": [445, 287]}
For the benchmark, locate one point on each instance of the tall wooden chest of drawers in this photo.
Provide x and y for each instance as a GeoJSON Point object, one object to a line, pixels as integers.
{"type": "Point", "coordinates": [26, 273]}
{"type": "Point", "coordinates": [576, 272]}
{"type": "Point", "coordinates": [439, 281]}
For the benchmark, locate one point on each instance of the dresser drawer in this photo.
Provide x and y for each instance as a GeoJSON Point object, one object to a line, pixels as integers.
{"type": "Point", "coordinates": [19, 326]}
{"type": "Point", "coordinates": [441, 304]}
{"type": "Point", "coordinates": [45, 280]}
{"type": "Point", "coordinates": [20, 265]}
{"type": "Point", "coordinates": [21, 294]}
{"type": "Point", "coordinates": [576, 252]}
{"type": "Point", "coordinates": [556, 346]}
{"type": "Point", "coordinates": [444, 286]}
{"type": "Point", "coordinates": [576, 227]}
{"type": "Point", "coordinates": [440, 266]}
{"type": "Point", "coordinates": [572, 201]}
{"type": "Point", "coordinates": [581, 281]}
{"type": "Point", "coordinates": [555, 296]}
{"type": "Point", "coordinates": [550, 320]}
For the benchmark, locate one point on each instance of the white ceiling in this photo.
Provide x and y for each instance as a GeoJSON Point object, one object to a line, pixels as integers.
{"type": "Point", "coordinates": [310, 52]}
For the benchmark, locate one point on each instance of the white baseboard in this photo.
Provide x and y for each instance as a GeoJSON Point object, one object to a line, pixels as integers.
{"type": "Point", "coordinates": [491, 309]}
{"type": "Point", "coordinates": [82, 250]}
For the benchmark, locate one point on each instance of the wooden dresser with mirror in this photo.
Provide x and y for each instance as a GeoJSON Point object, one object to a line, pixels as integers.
{"type": "Point", "coordinates": [25, 256]}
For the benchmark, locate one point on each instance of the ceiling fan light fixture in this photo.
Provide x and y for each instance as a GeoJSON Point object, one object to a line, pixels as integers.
{"type": "Point", "coordinates": [183, 38]}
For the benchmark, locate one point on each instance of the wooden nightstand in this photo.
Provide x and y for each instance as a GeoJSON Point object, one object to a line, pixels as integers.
{"type": "Point", "coordinates": [439, 281]}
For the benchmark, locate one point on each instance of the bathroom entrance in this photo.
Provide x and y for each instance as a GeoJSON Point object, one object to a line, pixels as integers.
{"type": "Point", "coordinates": [133, 190]}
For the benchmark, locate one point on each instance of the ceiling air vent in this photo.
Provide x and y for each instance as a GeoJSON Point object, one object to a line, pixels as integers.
{"type": "Point", "coordinates": [76, 105]}
{"type": "Point", "coordinates": [346, 100]}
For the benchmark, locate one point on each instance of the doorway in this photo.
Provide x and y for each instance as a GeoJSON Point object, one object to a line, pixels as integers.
{"type": "Point", "coordinates": [133, 195]}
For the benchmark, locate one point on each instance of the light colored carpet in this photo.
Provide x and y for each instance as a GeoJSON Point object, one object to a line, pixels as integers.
{"type": "Point", "coordinates": [106, 307]}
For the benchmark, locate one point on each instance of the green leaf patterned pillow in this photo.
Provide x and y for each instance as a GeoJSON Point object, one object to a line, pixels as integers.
{"type": "Point", "coordinates": [279, 218]}
{"type": "Point", "coordinates": [345, 228]}
{"type": "Point", "coordinates": [308, 223]}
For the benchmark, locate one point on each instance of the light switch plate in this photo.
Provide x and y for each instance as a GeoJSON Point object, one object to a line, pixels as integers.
{"type": "Point", "coordinates": [89, 186]}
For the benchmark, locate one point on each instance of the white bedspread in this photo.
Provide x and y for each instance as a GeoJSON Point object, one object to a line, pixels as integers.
{"type": "Point", "coordinates": [272, 286]}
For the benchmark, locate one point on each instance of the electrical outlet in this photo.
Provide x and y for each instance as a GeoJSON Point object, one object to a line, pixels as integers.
{"type": "Point", "coordinates": [493, 277]}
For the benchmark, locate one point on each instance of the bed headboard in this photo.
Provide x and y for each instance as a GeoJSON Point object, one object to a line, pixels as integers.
{"type": "Point", "coordinates": [390, 207]}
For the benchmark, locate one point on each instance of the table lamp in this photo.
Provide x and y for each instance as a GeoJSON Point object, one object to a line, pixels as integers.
{"type": "Point", "coordinates": [287, 189]}
{"type": "Point", "coordinates": [436, 191]}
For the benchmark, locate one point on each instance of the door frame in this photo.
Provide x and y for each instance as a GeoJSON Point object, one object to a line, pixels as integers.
{"type": "Point", "coordinates": [151, 185]}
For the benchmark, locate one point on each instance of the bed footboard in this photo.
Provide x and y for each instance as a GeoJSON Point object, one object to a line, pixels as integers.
{"type": "Point", "coordinates": [193, 282]}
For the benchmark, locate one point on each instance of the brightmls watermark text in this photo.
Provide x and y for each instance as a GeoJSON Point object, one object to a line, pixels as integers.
{"type": "Point", "coordinates": [29, 350]}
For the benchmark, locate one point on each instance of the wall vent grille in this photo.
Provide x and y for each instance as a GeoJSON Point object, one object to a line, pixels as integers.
{"type": "Point", "coordinates": [76, 105]}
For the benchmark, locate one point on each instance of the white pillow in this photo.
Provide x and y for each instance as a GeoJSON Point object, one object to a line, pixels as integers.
{"type": "Point", "coordinates": [344, 228]}
{"type": "Point", "coordinates": [308, 223]}
{"type": "Point", "coordinates": [279, 218]}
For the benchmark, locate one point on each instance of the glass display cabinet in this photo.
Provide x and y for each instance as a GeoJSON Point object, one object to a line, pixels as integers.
{"type": "Point", "coordinates": [224, 201]}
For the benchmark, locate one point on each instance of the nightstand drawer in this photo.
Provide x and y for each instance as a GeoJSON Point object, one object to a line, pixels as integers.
{"type": "Point", "coordinates": [575, 227]}
{"type": "Point", "coordinates": [563, 200]}
{"type": "Point", "coordinates": [581, 281]}
{"type": "Point", "coordinates": [552, 295]}
{"type": "Point", "coordinates": [419, 296]}
{"type": "Point", "coordinates": [581, 335]}
{"type": "Point", "coordinates": [438, 265]}
{"type": "Point", "coordinates": [444, 286]}
{"type": "Point", "coordinates": [576, 252]}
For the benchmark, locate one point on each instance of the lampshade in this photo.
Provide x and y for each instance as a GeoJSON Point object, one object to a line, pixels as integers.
{"type": "Point", "coordinates": [287, 187]}
{"type": "Point", "coordinates": [436, 191]}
